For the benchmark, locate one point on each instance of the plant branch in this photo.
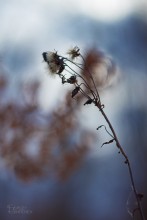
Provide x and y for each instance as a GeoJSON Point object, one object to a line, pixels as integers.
{"type": "Point", "coordinates": [57, 65]}
{"type": "Point", "coordinates": [126, 161]}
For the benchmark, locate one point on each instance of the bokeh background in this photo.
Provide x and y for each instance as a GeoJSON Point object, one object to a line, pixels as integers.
{"type": "Point", "coordinates": [51, 162]}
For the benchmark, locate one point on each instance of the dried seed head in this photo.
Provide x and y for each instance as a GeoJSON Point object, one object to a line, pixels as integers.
{"type": "Point", "coordinates": [74, 52]}
{"type": "Point", "coordinates": [54, 61]}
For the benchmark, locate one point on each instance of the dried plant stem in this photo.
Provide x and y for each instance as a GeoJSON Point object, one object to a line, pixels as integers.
{"type": "Point", "coordinates": [91, 78]}
{"type": "Point", "coordinates": [57, 65]}
{"type": "Point", "coordinates": [86, 84]}
{"type": "Point", "coordinates": [126, 161]}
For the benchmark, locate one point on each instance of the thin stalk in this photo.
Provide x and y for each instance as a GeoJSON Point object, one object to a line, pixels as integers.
{"type": "Point", "coordinates": [97, 103]}
{"type": "Point", "coordinates": [91, 79]}
{"type": "Point", "coordinates": [89, 74]}
{"type": "Point", "coordinates": [94, 95]}
{"type": "Point", "coordinates": [126, 161]}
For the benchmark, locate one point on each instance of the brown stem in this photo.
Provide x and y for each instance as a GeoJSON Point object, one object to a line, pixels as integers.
{"type": "Point", "coordinates": [126, 161]}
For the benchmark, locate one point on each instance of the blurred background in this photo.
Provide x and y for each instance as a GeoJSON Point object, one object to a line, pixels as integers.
{"type": "Point", "coordinates": [52, 165]}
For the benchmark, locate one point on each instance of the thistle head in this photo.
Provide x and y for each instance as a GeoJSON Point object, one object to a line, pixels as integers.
{"type": "Point", "coordinates": [74, 52]}
{"type": "Point", "coordinates": [54, 61]}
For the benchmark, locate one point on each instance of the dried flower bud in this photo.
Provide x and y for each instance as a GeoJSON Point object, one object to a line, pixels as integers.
{"type": "Point", "coordinates": [74, 52]}
{"type": "Point", "coordinates": [75, 91]}
{"type": "Point", "coordinates": [88, 102]}
{"type": "Point", "coordinates": [72, 80]}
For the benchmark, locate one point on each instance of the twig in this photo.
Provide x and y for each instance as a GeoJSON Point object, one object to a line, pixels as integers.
{"type": "Point", "coordinates": [57, 65]}
{"type": "Point", "coordinates": [126, 162]}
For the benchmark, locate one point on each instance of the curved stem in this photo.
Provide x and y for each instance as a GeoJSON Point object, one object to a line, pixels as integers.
{"type": "Point", "coordinates": [106, 131]}
{"type": "Point", "coordinates": [91, 78]}
{"type": "Point", "coordinates": [97, 103]}
{"type": "Point", "coordinates": [94, 95]}
{"type": "Point", "coordinates": [126, 161]}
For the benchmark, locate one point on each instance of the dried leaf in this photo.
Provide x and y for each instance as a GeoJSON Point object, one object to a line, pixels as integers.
{"type": "Point", "coordinates": [88, 102]}
{"type": "Point", "coordinates": [75, 91]}
{"type": "Point", "coordinates": [109, 142]}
